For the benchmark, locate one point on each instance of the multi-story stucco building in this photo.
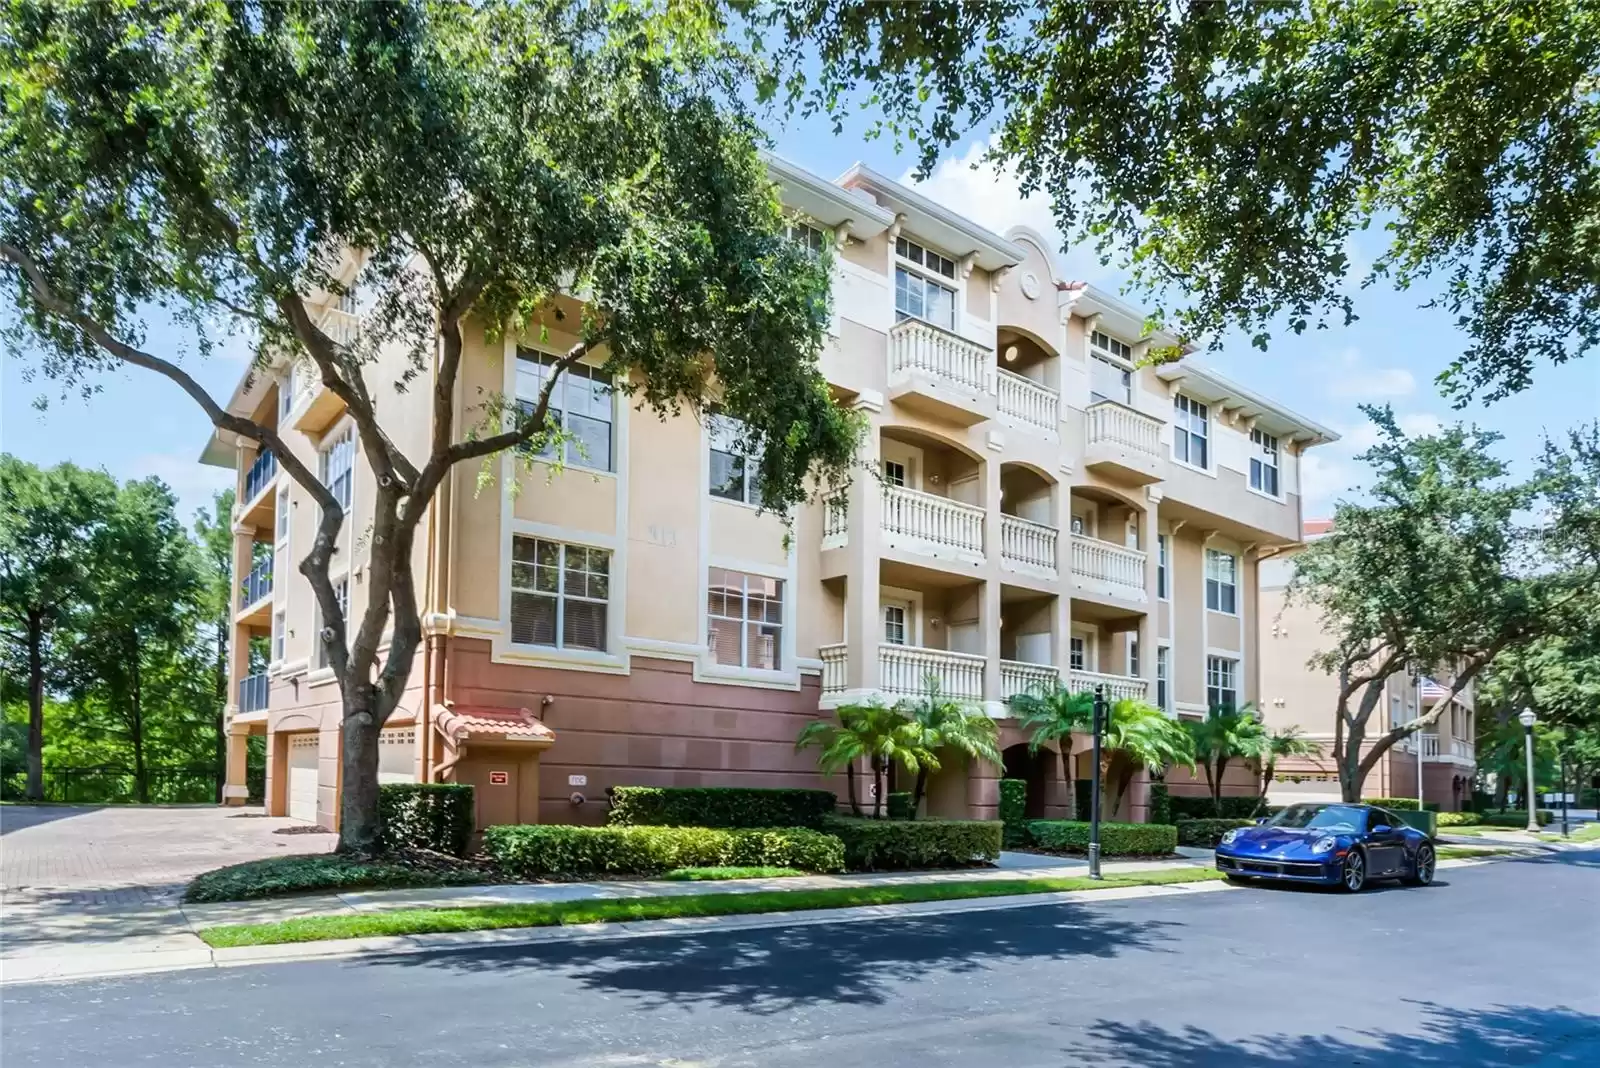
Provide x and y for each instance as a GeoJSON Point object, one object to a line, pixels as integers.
{"type": "Point", "coordinates": [1047, 508]}
{"type": "Point", "coordinates": [1294, 694]}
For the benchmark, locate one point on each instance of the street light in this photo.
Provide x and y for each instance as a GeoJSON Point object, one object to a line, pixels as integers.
{"type": "Point", "coordinates": [1528, 719]}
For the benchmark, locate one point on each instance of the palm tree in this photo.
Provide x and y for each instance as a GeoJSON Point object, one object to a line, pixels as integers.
{"type": "Point", "coordinates": [1224, 735]}
{"type": "Point", "coordinates": [872, 730]}
{"type": "Point", "coordinates": [1138, 735]}
{"type": "Point", "coordinates": [1287, 742]}
{"type": "Point", "coordinates": [941, 722]}
{"type": "Point", "coordinates": [1050, 712]}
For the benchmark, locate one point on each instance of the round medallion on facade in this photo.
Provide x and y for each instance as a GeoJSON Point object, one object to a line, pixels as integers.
{"type": "Point", "coordinates": [1030, 286]}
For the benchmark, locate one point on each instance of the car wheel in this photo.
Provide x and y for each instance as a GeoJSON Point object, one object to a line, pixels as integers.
{"type": "Point", "coordinates": [1353, 877]}
{"type": "Point", "coordinates": [1422, 868]}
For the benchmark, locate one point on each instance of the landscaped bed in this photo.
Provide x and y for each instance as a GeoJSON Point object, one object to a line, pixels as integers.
{"type": "Point", "coordinates": [612, 910]}
{"type": "Point", "coordinates": [330, 872]}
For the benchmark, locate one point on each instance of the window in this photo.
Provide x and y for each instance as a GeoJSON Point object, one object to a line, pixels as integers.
{"type": "Point", "coordinates": [1222, 587]}
{"type": "Point", "coordinates": [1222, 690]}
{"type": "Point", "coordinates": [1133, 657]}
{"type": "Point", "coordinates": [1163, 566]}
{"type": "Point", "coordinates": [1109, 378]}
{"type": "Point", "coordinates": [279, 635]}
{"type": "Point", "coordinates": [341, 594]}
{"type": "Point", "coordinates": [1077, 525]}
{"type": "Point", "coordinates": [282, 537]}
{"type": "Point", "coordinates": [1162, 668]}
{"type": "Point", "coordinates": [811, 238]}
{"type": "Point", "coordinates": [1264, 463]}
{"type": "Point", "coordinates": [894, 473]}
{"type": "Point", "coordinates": [580, 405]}
{"type": "Point", "coordinates": [733, 473]}
{"type": "Point", "coordinates": [917, 296]}
{"type": "Point", "coordinates": [286, 390]}
{"type": "Point", "coordinates": [894, 624]}
{"type": "Point", "coordinates": [338, 464]}
{"type": "Point", "coordinates": [1077, 653]}
{"type": "Point", "coordinates": [744, 619]}
{"type": "Point", "coordinates": [559, 594]}
{"type": "Point", "coordinates": [348, 300]}
{"type": "Point", "coordinates": [1190, 432]}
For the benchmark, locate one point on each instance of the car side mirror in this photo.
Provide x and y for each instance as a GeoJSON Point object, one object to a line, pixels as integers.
{"type": "Point", "coordinates": [1382, 828]}
{"type": "Point", "coordinates": [1261, 821]}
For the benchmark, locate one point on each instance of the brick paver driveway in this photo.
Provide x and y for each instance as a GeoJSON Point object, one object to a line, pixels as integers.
{"type": "Point", "coordinates": [58, 848]}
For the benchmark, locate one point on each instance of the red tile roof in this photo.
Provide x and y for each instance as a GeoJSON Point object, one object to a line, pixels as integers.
{"type": "Point", "coordinates": [1316, 526]}
{"type": "Point", "coordinates": [462, 723]}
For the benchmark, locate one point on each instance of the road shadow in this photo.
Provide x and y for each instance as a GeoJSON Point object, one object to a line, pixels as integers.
{"type": "Point", "coordinates": [1498, 1037]}
{"type": "Point", "coordinates": [1574, 858]}
{"type": "Point", "coordinates": [20, 817]}
{"type": "Point", "coordinates": [774, 970]}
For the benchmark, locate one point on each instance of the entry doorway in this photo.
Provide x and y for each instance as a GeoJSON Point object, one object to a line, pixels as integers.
{"type": "Point", "coordinates": [1034, 767]}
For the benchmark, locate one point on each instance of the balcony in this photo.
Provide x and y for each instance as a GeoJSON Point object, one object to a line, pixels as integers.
{"type": "Point", "coordinates": [1122, 444]}
{"type": "Point", "coordinates": [1105, 570]}
{"type": "Point", "coordinates": [1029, 547]}
{"type": "Point", "coordinates": [315, 406]}
{"type": "Point", "coordinates": [255, 594]}
{"type": "Point", "coordinates": [1446, 749]}
{"type": "Point", "coordinates": [903, 671]}
{"type": "Point", "coordinates": [1028, 402]}
{"type": "Point", "coordinates": [253, 693]}
{"type": "Point", "coordinates": [258, 503]}
{"type": "Point", "coordinates": [940, 373]}
{"type": "Point", "coordinates": [930, 525]}
{"type": "Point", "coordinates": [1117, 686]}
{"type": "Point", "coordinates": [1018, 677]}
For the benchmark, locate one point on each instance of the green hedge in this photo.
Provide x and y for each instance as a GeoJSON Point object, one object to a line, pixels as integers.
{"type": "Point", "coordinates": [1201, 808]}
{"type": "Point", "coordinates": [1516, 817]}
{"type": "Point", "coordinates": [718, 806]}
{"type": "Point", "coordinates": [1013, 811]}
{"type": "Point", "coordinates": [426, 815]}
{"type": "Point", "coordinates": [1206, 834]}
{"type": "Point", "coordinates": [1160, 804]}
{"type": "Point", "coordinates": [1398, 804]}
{"type": "Point", "coordinates": [1458, 819]}
{"type": "Point", "coordinates": [533, 850]}
{"type": "Point", "coordinates": [897, 845]}
{"type": "Point", "coordinates": [1116, 839]}
{"type": "Point", "coordinates": [899, 805]}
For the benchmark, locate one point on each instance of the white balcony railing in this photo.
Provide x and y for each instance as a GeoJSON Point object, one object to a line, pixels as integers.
{"type": "Point", "coordinates": [1117, 686]}
{"type": "Point", "coordinates": [1028, 545]}
{"type": "Point", "coordinates": [835, 662]}
{"type": "Point", "coordinates": [916, 347]}
{"type": "Point", "coordinates": [1461, 747]}
{"type": "Point", "coordinates": [342, 327]}
{"type": "Point", "coordinates": [1430, 745]}
{"type": "Point", "coordinates": [1110, 567]}
{"type": "Point", "coordinates": [1019, 677]}
{"type": "Point", "coordinates": [903, 671]}
{"type": "Point", "coordinates": [1117, 424]}
{"type": "Point", "coordinates": [835, 523]}
{"type": "Point", "coordinates": [938, 522]}
{"type": "Point", "coordinates": [1028, 401]}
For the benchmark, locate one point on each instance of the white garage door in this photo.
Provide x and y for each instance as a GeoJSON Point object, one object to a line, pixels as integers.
{"type": "Point", "coordinates": [397, 755]}
{"type": "Point", "coordinates": [303, 777]}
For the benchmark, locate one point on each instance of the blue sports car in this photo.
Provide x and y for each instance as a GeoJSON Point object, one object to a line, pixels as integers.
{"type": "Point", "coordinates": [1330, 845]}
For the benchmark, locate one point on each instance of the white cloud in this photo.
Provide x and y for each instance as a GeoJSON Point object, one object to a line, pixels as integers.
{"type": "Point", "coordinates": [1350, 378]}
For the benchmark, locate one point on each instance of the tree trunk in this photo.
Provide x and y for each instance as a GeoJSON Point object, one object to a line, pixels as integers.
{"type": "Point", "coordinates": [359, 827]}
{"type": "Point", "coordinates": [1349, 761]}
{"type": "Point", "coordinates": [918, 790]}
{"type": "Point", "coordinates": [850, 788]}
{"type": "Point", "coordinates": [1066, 766]}
{"type": "Point", "coordinates": [35, 790]}
{"type": "Point", "coordinates": [141, 776]}
{"type": "Point", "coordinates": [877, 787]}
{"type": "Point", "coordinates": [1266, 781]}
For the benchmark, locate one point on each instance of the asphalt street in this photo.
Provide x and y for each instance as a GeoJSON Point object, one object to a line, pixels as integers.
{"type": "Point", "coordinates": [1496, 965]}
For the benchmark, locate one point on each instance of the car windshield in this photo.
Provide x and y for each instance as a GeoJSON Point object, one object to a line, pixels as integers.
{"type": "Point", "coordinates": [1346, 819]}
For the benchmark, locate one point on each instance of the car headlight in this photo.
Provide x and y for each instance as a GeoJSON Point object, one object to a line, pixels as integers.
{"type": "Point", "coordinates": [1229, 836]}
{"type": "Point", "coordinates": [1324, 845]}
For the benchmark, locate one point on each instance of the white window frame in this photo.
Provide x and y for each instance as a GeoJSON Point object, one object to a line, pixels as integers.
{"type": "Point", "coordinates": [1164, 567]}
{"type": "Point", "coordinates": [344, 439]}
{"type": "Point", "coordinates": [1184, 408]}
{"type": "Point", "coordinates": [904, 610]}
{"type": "Point", "coordinates": [723, 435]}
{"type": "Point", "coordinates": [286, 390]}
{"type": "Point", "coordinates": [896, 474]}
{"type": "Point", "coordinates": [280, 635]}
{"type": "Point", "coordinates": [1216, 583]}
{"type": "Point", "coordinates": [814, 239]}
{"type": "Point", "coordinates": [916, 267]}
{"type": "Point", "coordinates": [1133, 656]}
{"type": "Point", "coordinates": [1164, 678]}
{"type": "Point", "coordinates": [744, 620]}
{"type": "Point", "coordinates": [1220, 670]}
{"type": "Point", "coordinates": [583, 372]}
{"type": "Point", "coordinates": [1266, 453]}
{"type": "Point", "coordinates": [561, 596]}
{"type": "Point", "coordinates": [1078, 652]}
{"type": "Point", "coordinates": [1116, 354]}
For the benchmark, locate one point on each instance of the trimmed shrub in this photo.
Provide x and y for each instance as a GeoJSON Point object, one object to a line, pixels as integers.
{"type": "Point", "coordinates": [718, 806]}
{"type": "Point", "coordinates": [899, 804]}
{"type": "Point", "coordinates": [1206, 834]}
{"type": "Point", "coordinates": [1160, 803]}
{"type": "Point", "coordinates": [1013, 811]}
{"type": "Point", "coordinates": [1458, 819]}
{"type": "Point", "coordinates": [1515, 817]}
{"type": "Point", "coordinates": [300, 874]}
{"type": "Point", "coordinates": [1116, 839]}
{"type": "Point", "coordinates": [559, 850]}
{"type": "Point", "coordinates": [899, 845]}
{"type": "Point", "coordinates": [435, 816]}
{"type": "Point", "coordinates": [1398, 804]}
{"type": "Point", "coordinates": [1201, 808]}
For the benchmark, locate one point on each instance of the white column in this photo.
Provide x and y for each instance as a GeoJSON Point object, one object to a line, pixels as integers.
{"type": "Point", "coordinates": [862, 626]}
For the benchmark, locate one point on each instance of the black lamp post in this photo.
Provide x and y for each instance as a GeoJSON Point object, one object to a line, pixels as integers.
{"type": "Point", "coordinates": [1094, 789]}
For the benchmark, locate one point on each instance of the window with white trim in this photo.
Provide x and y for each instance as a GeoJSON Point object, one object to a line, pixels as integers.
{"type": "Point", "coordinates": [1133, 657]}
{"type": "Point", "coordinates": [1163, 655]}
{"type": "Point", "coordinates": [1264, 463]}
{"type": "Point", "coordinates": [282, 525]}
{"type": "Point", "coordinates": [894, 473]}
{"type": "Point", "coordinates": [1222, 582]}
{"type": "Point", "coordinates": [286, 390]}
{"type": "Point", "coordinates": [811, 238]}
{"type": "Point", "coordinates": [1110, 369]}
{"type": "Point", "coordinates": [1222, 685]}
{"type": "Point", "coordinates": [1077, 653]}
{"type": "Point", "coordinates": [279, 635]}
{"type": "Point", "coordinates": [919, 296]}
{"type": "Point", "coordinates": [733, 474]}
{"type": "Point", "coordinates": [341, 594]}
{"type": "Point", "coordinates": [338, 461]}
{"type": "Point", "coordinates": [744, 619]}
{"type": "Point", "coordinates": [581, 406]}
{"type": "Point", "coordinates": [1163, 566]}
{"type": "Point", "coordinates": [894, 624]}
{"type": "Point", "coordinates": [560, 594]}
{"type": "Point", "coordinates": [1191, 432]}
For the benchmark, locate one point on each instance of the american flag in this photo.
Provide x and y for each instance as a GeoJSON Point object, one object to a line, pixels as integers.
{"type": "Point", "coordinates": [1432, 691]}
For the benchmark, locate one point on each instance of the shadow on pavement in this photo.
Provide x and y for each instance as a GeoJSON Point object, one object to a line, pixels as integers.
{"type": "Point", "coordinates": [778, 969]}
{"type": "Point", "coordinates": [1498, 1037]}
{"type": "Point", "coordinates": [21, 817]}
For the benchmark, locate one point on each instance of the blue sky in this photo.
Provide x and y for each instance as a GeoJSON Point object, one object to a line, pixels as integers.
{"type": "Point", "coordinates": [138, 424]}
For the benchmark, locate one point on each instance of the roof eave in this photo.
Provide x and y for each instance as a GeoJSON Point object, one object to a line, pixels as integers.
{"type": "Point", "coordinates": [935, 222]}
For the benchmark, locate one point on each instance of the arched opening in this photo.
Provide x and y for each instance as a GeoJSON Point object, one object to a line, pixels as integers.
{"type": "Point", "coordinates": [1036, 767]}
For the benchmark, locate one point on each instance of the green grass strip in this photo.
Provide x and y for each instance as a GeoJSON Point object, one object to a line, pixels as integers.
{"type": "Point", "coordinates": [611, 910]}
{"type": "Point", "coordinates": [702, 875]}
{"type": "Point", "coordinates": [1446, 852]}
{"type": "Point", "coordinates": [1590, 833]}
